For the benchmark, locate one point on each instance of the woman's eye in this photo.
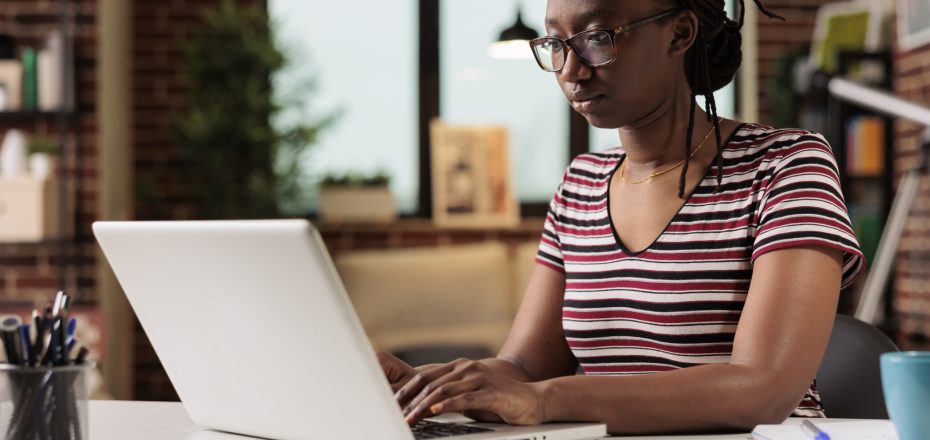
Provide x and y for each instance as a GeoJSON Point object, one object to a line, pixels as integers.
{"type": "Point", "coordinates": [597, 37]}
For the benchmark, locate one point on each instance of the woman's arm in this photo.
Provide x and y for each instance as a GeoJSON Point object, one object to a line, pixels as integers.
{"type": "Point", "coordinates": [780, 341]}
{"type": "Point", "coordinates": [536, 344]}
{"type": "Point", "coordinates": [535, 348]}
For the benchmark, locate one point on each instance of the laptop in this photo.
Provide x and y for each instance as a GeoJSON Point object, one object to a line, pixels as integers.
{"type": "Point", "coordinates": [258, 337]}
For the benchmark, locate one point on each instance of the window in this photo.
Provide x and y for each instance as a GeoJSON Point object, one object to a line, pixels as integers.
{"type": "Point", "coordinates": [478, 89]}
{"type": "Point", "coordinates": [374, 86]}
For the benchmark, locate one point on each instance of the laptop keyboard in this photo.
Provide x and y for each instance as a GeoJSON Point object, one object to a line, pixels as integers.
{"type": "Point", "coordinates": [428, 429]}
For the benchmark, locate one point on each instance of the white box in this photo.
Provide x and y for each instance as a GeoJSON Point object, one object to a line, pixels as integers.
{"type": "Point", "coordinates": [357, 205]}
{"type": "Point", "coordinates": [28, 209]}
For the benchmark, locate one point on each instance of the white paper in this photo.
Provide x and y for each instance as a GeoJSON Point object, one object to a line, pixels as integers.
{"type": "Point", "coordinates": [850, 430]}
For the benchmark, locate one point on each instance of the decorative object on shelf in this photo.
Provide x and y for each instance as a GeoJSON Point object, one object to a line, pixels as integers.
{"type": "Point", "coordinates": [13, 154]}
{"type": "Point", "coordinates": [238, 163]}
{"type": "Point", "coordinates": [855, 25]}
{"type": "Point", "coordinates": [28, 209]}
{"type": "Point", "coordinates": [913, 24]}
{"type": "Point", "coordinates": [42, 157]}
{"type": "Point", "coordinates": [53, 69]}
{"type": "Point", "coordinates": [30, 79]}
{"type": "Point", "coordinates": [11, 79]}
{"type": "Point", "coordinates": [357, 199]}
{"type": "Point", "coordinates": [471, 177]}
{"type": "Point", "coordinates": [11, 75]}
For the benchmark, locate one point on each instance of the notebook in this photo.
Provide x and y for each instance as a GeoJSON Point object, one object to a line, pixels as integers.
{"type": "Point", "coordinates": [836, 429]}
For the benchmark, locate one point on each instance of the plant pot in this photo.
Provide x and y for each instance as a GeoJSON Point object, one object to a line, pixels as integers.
{"type": "Point", "coordinates": [366, 204]}
{"type": "Point", "coordinates": [13, 154]}
{"type": "Point", "coordinates": [41, 165]}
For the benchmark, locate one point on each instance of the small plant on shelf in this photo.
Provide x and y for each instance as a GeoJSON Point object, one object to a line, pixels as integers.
{"type": "Point", "coordinates": [356, 180]}
{"type": "Point", "coordinates": [357, 198]}
{"type": "Point", "coordinates": [42, 154]}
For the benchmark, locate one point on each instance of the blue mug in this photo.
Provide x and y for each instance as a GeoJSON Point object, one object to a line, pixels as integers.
{"type": "Point", "coordinates": [906, 383]}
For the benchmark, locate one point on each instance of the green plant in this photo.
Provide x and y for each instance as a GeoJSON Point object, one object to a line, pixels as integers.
{"type": "Point", "coordinates": [240, 164]}
{"type": "Point", "coordinates": [782, 101]}
{"type": "Point", "coordinates": [355, 180]}
{"type": "Point", "coordinates": [42, 145]}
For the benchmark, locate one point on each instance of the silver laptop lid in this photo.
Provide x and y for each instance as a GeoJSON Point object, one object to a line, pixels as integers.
{"type": "Point", "coordinates": [253, 327]}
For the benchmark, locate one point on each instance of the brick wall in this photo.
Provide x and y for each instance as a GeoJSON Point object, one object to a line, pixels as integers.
{"type": "Point", "coordinates": [29, 273]}
{"type": "Point", "coordinates": [912, 269]}
{"type": "Point", "coordinates": [777, 38]}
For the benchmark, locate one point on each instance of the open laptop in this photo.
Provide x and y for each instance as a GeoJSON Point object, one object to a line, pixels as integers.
{"type": "Point", "coordinates": [258, 337]}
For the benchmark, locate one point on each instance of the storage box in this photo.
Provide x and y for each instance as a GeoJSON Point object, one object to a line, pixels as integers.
{"type": "Point", "coordinates": [28, 209]}
{"type": "Point", "coordinates": [357, 204]}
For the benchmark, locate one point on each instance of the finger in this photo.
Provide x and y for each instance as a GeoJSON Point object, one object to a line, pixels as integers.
{"type": "Point", "coordinates": [455, 376]}
{"type": "Point", "coordinates": [480, 400]}
{"type": "Point", "coordinates": [396, 370]}
{"type": "Point", "coordinates": [443, 392]}
{"type": "Point", "coordinates": [420, 380]}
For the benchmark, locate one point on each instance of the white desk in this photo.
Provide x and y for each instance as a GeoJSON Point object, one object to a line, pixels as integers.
{"type": "Point", "coordinates": [115, 420]}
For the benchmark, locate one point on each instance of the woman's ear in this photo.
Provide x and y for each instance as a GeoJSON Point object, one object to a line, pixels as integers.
{"type": "Point", "coordinates": [684, 30]}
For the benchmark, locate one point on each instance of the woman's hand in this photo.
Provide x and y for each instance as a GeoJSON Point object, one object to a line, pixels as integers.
{"type": "Point", "coordinates": [397, 371]}
{"type": "Point", "coordinates": [474, 388]}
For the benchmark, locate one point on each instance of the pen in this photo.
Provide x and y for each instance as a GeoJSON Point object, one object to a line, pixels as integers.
{"type": "Point", "coordinates": [40, 335]}
{"type": "Point", "coordinates": [82, 355]}
{"type": "Point", "coordinates": [812, 430]}
{"type": "Point", "coordinates": [29, 357]}
{"type": "Point", "coordinates": [12, 338]}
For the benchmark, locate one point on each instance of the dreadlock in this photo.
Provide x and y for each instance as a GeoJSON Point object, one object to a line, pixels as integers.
{"type": "Point", "coordinates": [711, 64]}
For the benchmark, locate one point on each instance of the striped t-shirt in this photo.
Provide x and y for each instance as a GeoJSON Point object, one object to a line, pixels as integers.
{"type": "Point", "coordinates": [677, 303]}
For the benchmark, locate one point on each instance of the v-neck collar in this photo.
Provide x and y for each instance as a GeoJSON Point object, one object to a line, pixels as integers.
{"type": "Point", "coordinates": [613, 172]}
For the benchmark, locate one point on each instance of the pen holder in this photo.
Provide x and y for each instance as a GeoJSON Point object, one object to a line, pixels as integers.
{"type": "Point", "coordinates": [44, 403]}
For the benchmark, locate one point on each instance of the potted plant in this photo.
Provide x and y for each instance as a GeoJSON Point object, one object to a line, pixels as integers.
{"type": "Point", "coordinates": [354, 198]}
{"type": "Point", "coordinates": [238, 162]}
{"type": "Point", "coordinates": [42, 154]}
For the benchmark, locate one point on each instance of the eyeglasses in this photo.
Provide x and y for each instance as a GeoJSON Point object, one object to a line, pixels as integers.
{"type": "Point", "coordinates": [594, 48]}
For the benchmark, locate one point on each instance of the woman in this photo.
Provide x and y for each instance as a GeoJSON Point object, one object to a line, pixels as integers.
{"type": "Point", "coordinates": [695, 286]}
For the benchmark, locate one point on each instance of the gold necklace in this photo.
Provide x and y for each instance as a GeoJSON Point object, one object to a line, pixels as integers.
{"type": "Point", "coordinates": [659, 173]}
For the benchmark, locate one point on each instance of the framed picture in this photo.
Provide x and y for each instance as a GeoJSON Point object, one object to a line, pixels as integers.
{"type": "Point", "coordinates": [852, 25]}
{"type": "Point", "coordinates": [471, 177]}
{"type": "Point", "coordinates": [913, 23]}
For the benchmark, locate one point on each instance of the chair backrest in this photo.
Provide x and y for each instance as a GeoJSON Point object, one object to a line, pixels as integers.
{"type": "Point", "coordinates": [849, 380]}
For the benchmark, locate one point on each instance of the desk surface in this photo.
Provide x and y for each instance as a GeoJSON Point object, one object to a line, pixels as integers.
{"type": "Point", "coordinates": [114, 420]}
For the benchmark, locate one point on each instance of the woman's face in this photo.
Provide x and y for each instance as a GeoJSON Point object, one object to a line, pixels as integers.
{"type": "Point", "coordinates": [641, 78]}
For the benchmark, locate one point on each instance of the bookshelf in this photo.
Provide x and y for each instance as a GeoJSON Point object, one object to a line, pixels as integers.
{"type": "Point", "coordinates": [863, 143]}
{"type": "Point", "coordinates": [56, 114]}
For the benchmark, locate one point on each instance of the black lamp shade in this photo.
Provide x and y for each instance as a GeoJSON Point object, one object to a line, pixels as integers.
{"type": "Point", "coordinates": [518, 31]}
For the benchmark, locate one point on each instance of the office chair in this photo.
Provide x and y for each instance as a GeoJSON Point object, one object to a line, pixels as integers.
{"type": "Point", "coordinates": [849, 379]}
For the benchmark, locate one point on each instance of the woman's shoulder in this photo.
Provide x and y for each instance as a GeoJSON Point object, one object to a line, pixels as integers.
{"type": "Point", "coordinates": [596, 164]}
{"type": "Point", "coordinates": [773, 143]}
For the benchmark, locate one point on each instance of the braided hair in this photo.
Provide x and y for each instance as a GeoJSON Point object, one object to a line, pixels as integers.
{"type": "Point", "coordinates": [710, 64]}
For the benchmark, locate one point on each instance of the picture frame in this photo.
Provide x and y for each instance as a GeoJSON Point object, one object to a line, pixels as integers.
{"type": "Point", "coordinates": [471, 179]}
{"type": "Point", "coordinates": [854, 25]}
{"type": "Point", "coordinates": [913, 24]}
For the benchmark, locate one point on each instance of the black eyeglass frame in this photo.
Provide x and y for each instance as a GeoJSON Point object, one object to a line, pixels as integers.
{"type": "Point", "coordinates": [611, 33]}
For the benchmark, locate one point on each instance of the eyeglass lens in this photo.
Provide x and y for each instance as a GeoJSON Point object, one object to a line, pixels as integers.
{"type": "Point", "coordinates": [594, 48]}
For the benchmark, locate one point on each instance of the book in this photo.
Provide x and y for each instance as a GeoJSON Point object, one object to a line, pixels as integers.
{"type": "Point", "coordinates": [865, 146]}
{"type": "Point", "coordinates": [30, 79]}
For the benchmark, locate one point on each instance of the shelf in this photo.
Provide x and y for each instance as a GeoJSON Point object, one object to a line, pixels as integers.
{"type": "Point", "coordinates": [32, 115]}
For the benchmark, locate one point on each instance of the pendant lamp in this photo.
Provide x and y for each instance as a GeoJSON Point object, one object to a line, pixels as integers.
{"type": "Point", "coordinates": [513, 43]}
